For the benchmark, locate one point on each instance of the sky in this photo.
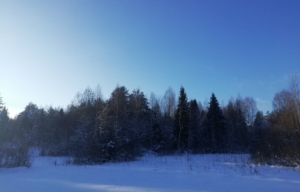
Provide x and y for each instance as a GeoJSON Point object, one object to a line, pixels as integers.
{"type": "Point", "coordinates": [51, 49]}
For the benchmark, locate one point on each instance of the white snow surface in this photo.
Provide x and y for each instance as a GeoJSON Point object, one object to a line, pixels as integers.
{"type": "Point", "coordinates": [191, 173]}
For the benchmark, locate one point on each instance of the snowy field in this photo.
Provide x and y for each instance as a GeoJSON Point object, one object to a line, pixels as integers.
{"type": "Point", "coordinates": [194, 173]}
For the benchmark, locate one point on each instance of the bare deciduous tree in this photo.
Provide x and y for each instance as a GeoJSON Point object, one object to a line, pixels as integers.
{"type": "Point", "coordinates": [169, 102]}
{"type": "Point", "coordinates": [294, 88]}
{"type": "Point", "coordinates": [249, 110]}
{"type": "Point", "coordinates": [1, 103]}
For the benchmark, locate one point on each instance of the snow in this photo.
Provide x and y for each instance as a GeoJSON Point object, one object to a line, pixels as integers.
{"type": "Point", "coordinates": [191, 173]}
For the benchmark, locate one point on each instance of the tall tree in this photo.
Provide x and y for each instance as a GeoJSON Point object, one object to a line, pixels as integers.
{"type": "Point", "coordinates": [157, 141]}
{"type": "Point", "coordinates": [115, 133]}
{"type": "Point", "coordinates": [4, 119]}
{"type": "Point", "coordinates": [194, 127]}
{"type": "Point", "coordinates": [215, 128]}
{"type": "Point", "coordinates": [249, 109]}
{"type": "Point", "coordinates": [168, 107]}
{"type": "Point", "coordinates": [28, 120]}
{"type": "Point", "coordinates": [140, 121]}
{"type": "Point", "coordinates": [181, 123]}
{"type": "Point", "coordinates": [84, 115]}
{"type": "Point", "coordinates": [294, 88]}
{"type": "Point", "coordinates": [281, 142]}
{"type": "Point", "coordinates": [156, 135]}
{"type": "Point", "coordinates": [14, 151]}
{"type": "Point", "coordinates": [258, 127]}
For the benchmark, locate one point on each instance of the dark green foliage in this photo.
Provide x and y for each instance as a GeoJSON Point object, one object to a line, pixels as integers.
{"type": "Point", "coordinates": [4, 120]}
{"type": "Point", "coordinates": [157, 137]}
{"type": "Point", "coordinates": [259, 126]}
{"type": "Point", "coordinates": [214, 128]}
{"type": "Point", "coordinates": [237, 134]}
{"type": "Point", "coordinates": [194, 127]}
{"type": "Point", "coordinates": [181, 130]}
{"type": "Point", "coordinates": [14, 142]}
{"type": "Point", "coordinates": [140, 122]}
{"type": "Point", "coordinates": [259, 121]}
{"type": "Point", "coordinates": [118, 106]}
{"type": "Point", "coordinates": [84, 141]}
{"type": "Point", "coordinates": [167, 129]}
{"type": "Point", "coordinates": [157, 140]}
{"type": "Point", "coordinates": [125, 126]}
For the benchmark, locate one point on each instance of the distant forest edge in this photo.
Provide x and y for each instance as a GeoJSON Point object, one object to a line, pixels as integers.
{"type": "Point", "coordinates": [127, 125]}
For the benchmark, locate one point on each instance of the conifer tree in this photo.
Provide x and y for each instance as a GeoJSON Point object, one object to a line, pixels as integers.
{"type": "Point", "coordinates": [258, 127]}
{"type": "Point", "coordinates": [193, 137]}
{"type": "Point", "coordinates": [215, 128]}
{"type": "Point", "coordinates": [4, 119]}
{"type": "Point", "coordinates": [181, 130]}
{"type": "Point", "coordinates": [156, 140]}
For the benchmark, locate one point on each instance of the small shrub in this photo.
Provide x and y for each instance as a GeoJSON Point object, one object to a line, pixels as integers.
{"type": "Point", "coordinates": [13, 155]}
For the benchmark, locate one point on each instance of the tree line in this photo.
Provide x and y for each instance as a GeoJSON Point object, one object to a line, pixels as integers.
{"type": "Point", "coordinates": [127, 125]}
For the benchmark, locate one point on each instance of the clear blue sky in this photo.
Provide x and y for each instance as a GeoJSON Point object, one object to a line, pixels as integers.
{"type": "Point", "coordinates": [51, 49]}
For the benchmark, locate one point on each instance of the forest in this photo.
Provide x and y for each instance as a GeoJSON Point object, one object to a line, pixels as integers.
{"type": "Point", "coordinates": [92, 130]}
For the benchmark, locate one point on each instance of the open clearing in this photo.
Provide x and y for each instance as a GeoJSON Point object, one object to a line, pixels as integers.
{"type": "Point", "coordinates": [192, 173]}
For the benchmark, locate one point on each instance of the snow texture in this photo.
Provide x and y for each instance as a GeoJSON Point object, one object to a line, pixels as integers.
{"type": "Point", "coordinates": [191, 173]}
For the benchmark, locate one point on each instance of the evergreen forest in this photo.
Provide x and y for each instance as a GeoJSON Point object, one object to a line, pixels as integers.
{"type": "Point", "coordinates": [127, 125]}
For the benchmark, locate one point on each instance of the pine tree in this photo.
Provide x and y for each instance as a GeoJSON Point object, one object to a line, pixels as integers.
{"type": "Point", "coordinates": [215, 128]}
{"type": "Point", "coordinates": [181, 130]}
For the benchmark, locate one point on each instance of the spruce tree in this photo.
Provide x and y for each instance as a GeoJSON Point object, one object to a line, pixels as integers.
{"type": "Point", "coordinates": [181, 130]}
{"type": "Point", "coordinates": [193, 137]}
{"type": "Point", "coordinates": [215, 128]}
{"type": "Point", "coordinates": [258, 126]}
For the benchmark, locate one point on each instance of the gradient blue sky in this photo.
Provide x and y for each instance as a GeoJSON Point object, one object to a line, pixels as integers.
{"type": "Point", "coordinates": [51, 49]}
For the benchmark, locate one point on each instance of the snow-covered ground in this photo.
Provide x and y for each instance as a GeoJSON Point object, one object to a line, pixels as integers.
{"type": "Point", "coordinates": [192, 173]}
